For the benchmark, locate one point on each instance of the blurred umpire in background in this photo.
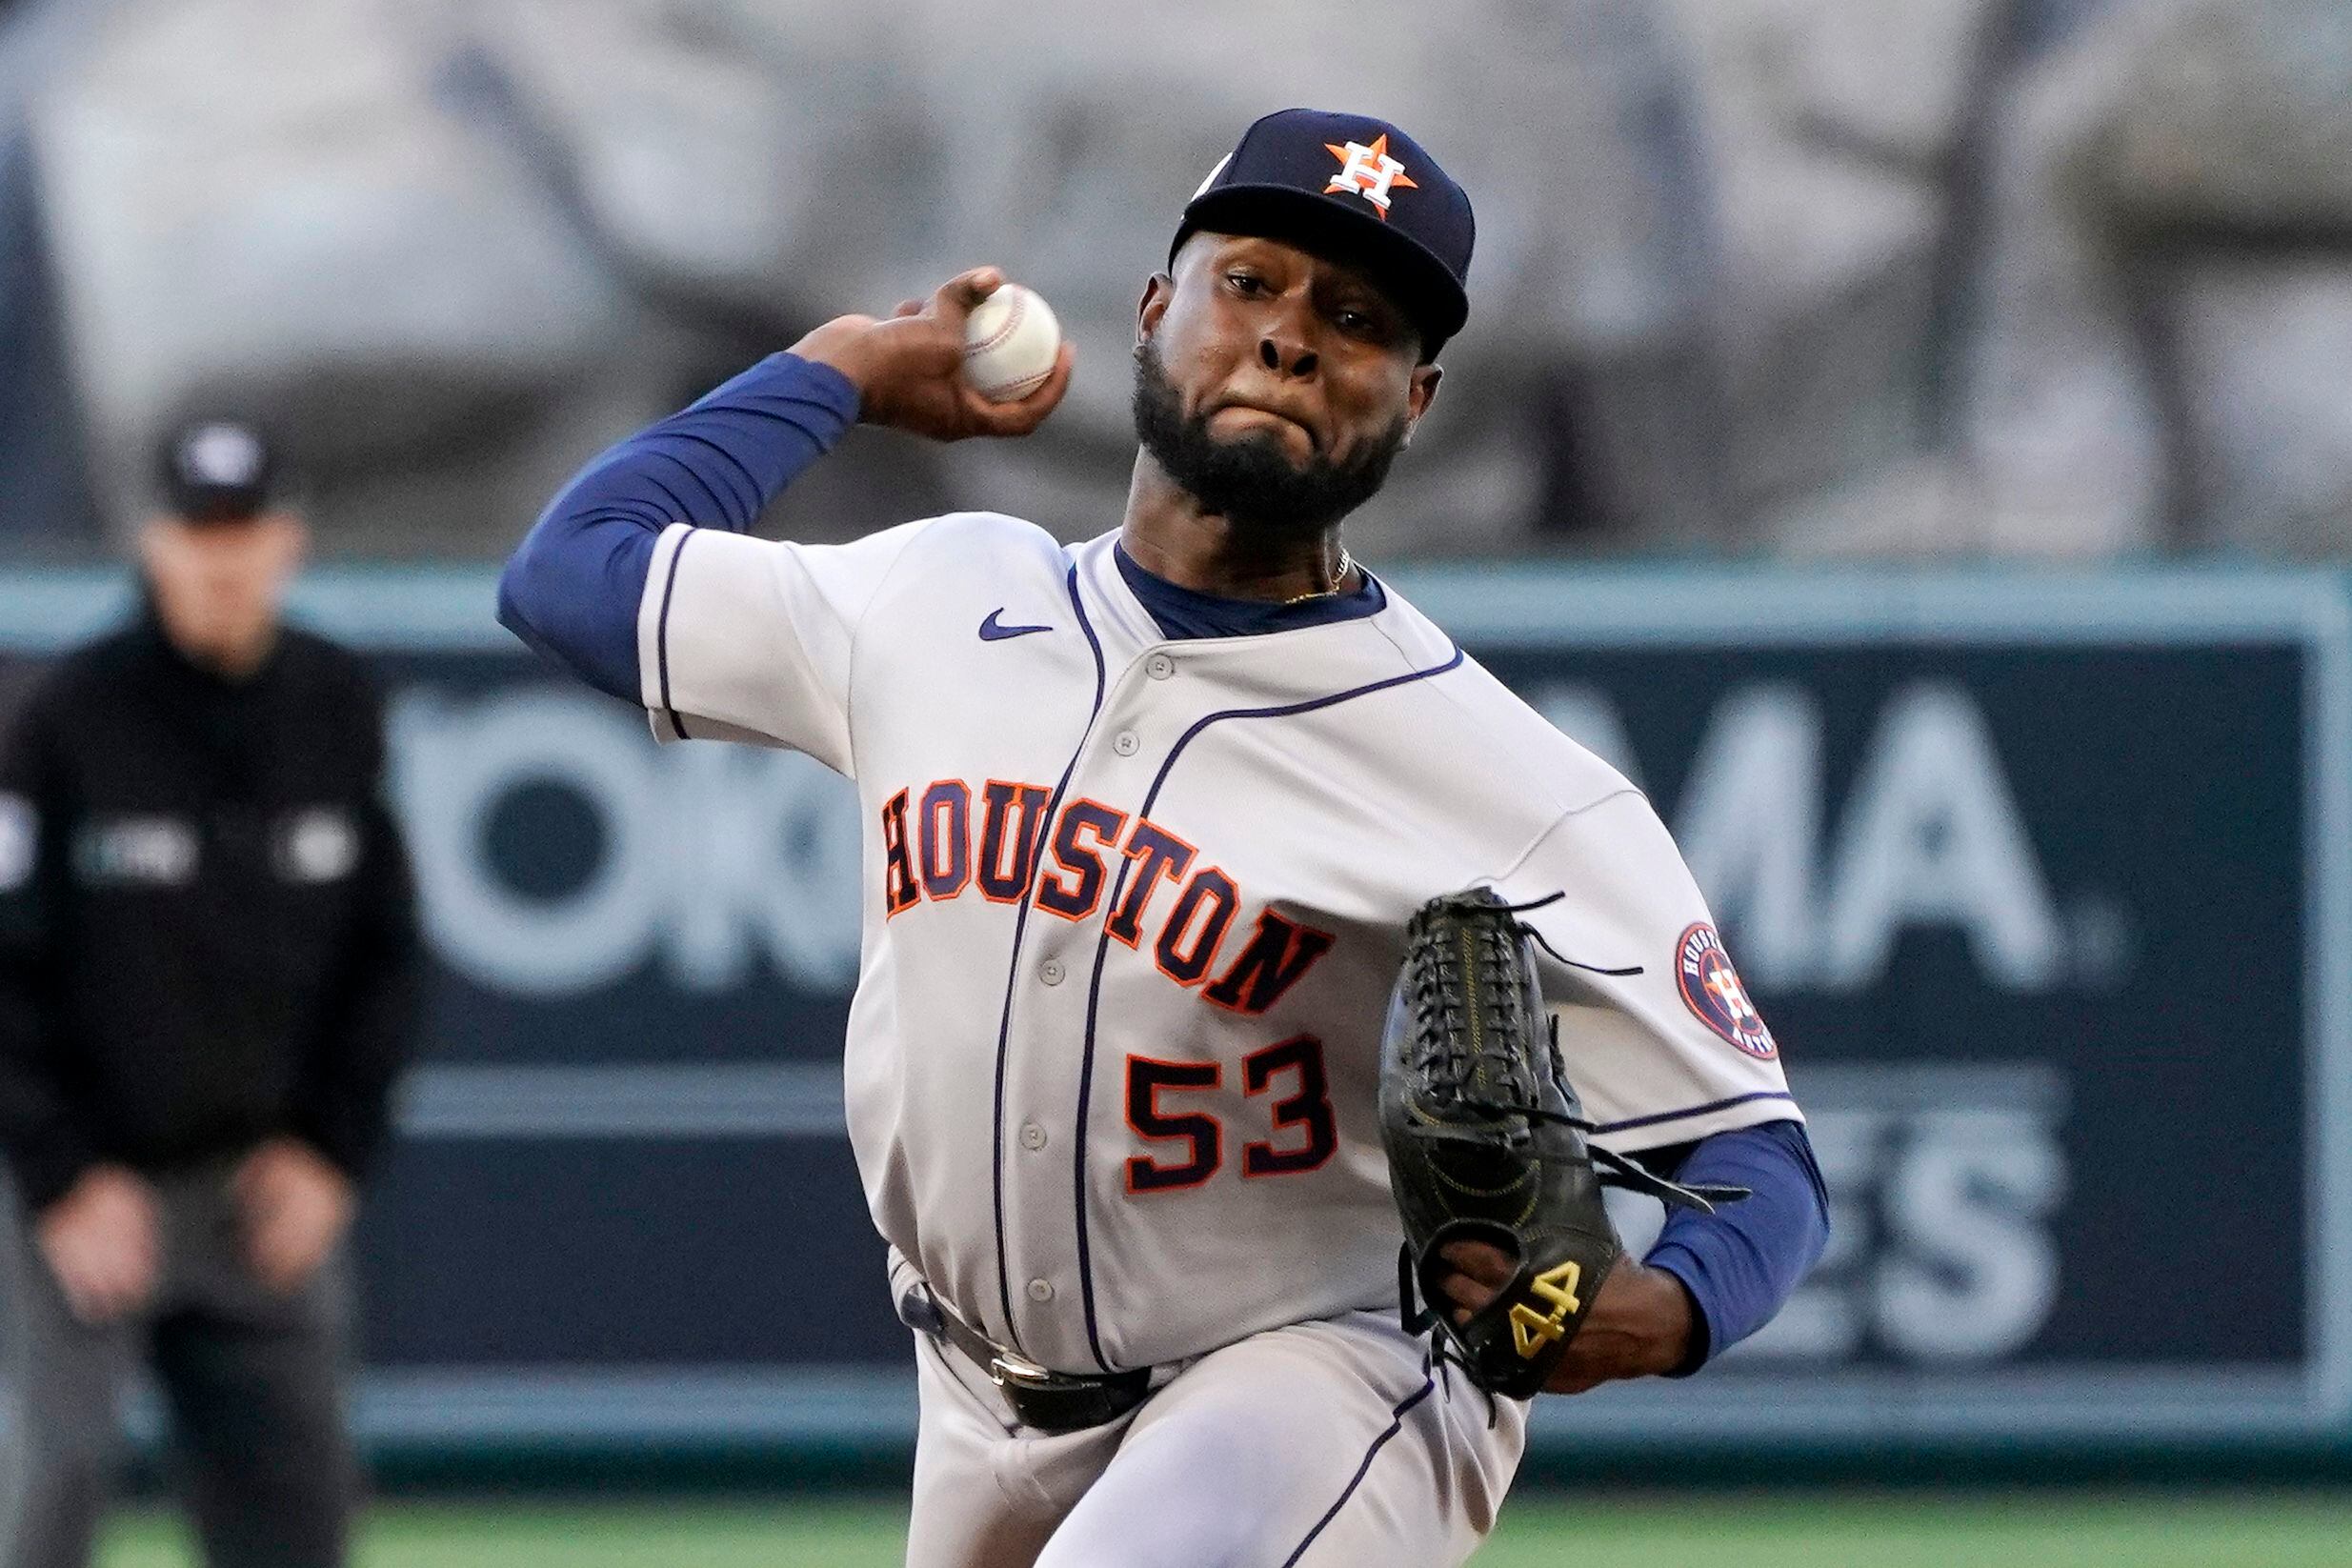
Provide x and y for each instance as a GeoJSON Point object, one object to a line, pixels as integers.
{"type": "Point", "coordinates": [208, 956]}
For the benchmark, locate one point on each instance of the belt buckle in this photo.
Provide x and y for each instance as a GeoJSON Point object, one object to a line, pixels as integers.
{"type": "Point", "coordinates": [1051, 1402]}
{"type": "Point", "coordinates": [1008, 1371]}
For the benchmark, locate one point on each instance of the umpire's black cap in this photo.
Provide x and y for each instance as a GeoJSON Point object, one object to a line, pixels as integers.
{"type": "Point", "coordinates": [216, 470]}
{"type": "Point", "coordinates": [1356, 184]}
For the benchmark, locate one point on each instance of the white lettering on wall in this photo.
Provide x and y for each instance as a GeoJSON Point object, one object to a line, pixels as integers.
{"type": "Point", "coordinates": [1945, 1185]}
{"type": "Point", "coordinates": [1750, 828]}
{"type": "Point", "coordinates": [710, 857]}
{"type": "Point", "coordinates": [1931, 836]}
{"type": "Point", "coordinates": [1928, 836]}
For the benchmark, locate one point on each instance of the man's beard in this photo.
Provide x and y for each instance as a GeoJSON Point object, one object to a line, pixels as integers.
{"type": "Point", "coordinates": [1250, 479]}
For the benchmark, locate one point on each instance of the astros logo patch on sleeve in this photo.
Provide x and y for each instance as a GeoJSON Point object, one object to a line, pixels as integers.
{"type": "Point", "coordinates": [1711, 988]}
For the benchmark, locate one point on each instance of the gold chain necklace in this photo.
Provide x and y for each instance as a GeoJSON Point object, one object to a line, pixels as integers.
{"type": "Point", "coordinates": [1347, 564]}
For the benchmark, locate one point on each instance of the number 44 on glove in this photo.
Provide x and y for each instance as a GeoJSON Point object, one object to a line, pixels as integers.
{"type": "Point", "coordinates": [1487, 1142]}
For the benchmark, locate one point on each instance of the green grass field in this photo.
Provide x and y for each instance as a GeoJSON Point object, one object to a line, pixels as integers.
{"type": "Point", "coordinates": [1800, 1531]}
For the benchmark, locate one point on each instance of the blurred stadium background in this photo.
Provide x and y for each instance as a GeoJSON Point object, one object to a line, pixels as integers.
{"type": "Point", "coordinates": [1914, 441]}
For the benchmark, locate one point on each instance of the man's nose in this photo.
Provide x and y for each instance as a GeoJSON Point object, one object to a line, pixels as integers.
{"type": "Point", "coordinates": [1285, 353]}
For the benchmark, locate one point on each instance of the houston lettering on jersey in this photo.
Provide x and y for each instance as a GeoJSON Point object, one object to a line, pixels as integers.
{"type": "Point", "coordinates": [937, 845]}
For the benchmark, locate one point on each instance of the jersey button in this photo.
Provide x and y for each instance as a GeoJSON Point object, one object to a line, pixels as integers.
{"type": "Point", "coordinates": [1126, 743]}
{"type": "Point", "coordinates": [1160, 667]}
{"type": "Point", "coordinates": [1050, 972]}
{"type": "Point", "coordinates": [1032, 1135]}
{"type": "Point", "coordinates": [1040, 1291]}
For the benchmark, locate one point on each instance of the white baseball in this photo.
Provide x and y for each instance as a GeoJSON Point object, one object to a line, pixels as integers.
{"type": "Point", "coordinates": [1010, 341]}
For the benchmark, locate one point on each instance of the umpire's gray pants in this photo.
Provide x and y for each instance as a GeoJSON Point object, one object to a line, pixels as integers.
{"type": "Point", "coordinates": [251, 1387]}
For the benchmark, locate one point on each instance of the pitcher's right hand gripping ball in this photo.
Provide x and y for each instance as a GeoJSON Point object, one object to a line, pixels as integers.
{"type": "Point", "coordinates": [1012, 343]}
{"type": "Point", "coordinates": [1487, 1142]}
{"type": "Point", "coordinates": [908, 367]}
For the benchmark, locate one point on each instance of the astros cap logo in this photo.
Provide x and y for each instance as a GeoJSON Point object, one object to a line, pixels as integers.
{"type": "Point", "coordinates": [1368, 172]}
{"type": "Point", "coordinates": [1309, 173]}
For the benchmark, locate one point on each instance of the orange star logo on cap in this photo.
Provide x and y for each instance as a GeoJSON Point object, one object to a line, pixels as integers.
{"type": "Point", "coordinates": [1368, 172]}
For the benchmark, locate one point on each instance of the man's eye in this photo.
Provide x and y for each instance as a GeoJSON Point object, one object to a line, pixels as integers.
{"type": "Point", "coordinates": [1247, 283]}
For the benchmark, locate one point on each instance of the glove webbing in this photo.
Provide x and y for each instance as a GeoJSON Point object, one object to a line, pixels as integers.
{"type": "Point", "coordinates": [1619, 1172]}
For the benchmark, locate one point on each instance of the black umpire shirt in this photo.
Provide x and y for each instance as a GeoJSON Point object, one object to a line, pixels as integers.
{"type": "Point", "coordinates": [208, 929]}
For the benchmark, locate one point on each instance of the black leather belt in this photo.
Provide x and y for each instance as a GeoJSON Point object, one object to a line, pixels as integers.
{"type": "Point", "coordinates": [1041, 1399]}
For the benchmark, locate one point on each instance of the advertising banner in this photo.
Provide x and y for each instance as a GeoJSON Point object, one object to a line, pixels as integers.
{"type": "Point", "coordinates": [2043, 883]}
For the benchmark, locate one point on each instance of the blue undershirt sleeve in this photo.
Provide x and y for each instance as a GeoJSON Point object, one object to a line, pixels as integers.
{"type": "Point", "coordinates": [1743, 1262]}
{"type": "Point", "coordinates": [573, 587]}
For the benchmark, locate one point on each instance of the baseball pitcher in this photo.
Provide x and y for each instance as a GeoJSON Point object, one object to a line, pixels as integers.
{"type": "Point", "coordinates": [1148, 821]}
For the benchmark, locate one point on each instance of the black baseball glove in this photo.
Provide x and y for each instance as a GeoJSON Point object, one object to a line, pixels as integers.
{"type": "Point", "coordinates": [1486, 1142]}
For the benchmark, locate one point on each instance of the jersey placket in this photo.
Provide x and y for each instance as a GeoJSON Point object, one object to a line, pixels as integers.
{"type": "Point", "coordinates": [1158, 697]}
{"type": "Point", "coordinates": [1059, 986]}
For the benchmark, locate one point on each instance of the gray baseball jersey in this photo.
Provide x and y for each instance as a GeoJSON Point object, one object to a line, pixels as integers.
{"type": "Point", "coordinates": [1133, 908]}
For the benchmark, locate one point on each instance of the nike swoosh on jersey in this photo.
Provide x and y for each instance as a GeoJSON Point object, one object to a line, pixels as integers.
{"type": "Point", "coordinates": [990, 630]}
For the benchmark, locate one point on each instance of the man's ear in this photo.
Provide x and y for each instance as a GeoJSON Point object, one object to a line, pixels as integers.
{"type": "Point", "coordinates": [289, 543]}
{"type": "Point", "coordinates": [1420, 395]}
{"type": "Point", "coordinates": [154, 539]}
{"type": "Point", "coordinates": [1158, 293]}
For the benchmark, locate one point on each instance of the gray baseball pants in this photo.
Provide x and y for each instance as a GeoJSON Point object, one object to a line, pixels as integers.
{"type": "Point", "coordinates": [1328, 1444]}
{"type": "Point", "coordinates": [250, 1386]}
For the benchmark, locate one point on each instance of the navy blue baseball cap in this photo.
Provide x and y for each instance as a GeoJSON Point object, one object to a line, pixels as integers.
{"type": "Point", "coordinates": [1357, 186]}
{"type": "Point", "coordinates": [216, 470]}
